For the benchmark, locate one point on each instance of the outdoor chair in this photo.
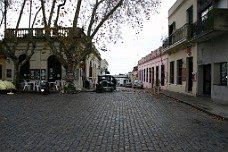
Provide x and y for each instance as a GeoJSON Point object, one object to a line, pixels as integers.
{"type": "Point", "coordinates": [26, 86]}
{"type": "Point", "coordinates": [57, 84]}
{"type": "Point", "coordinates": [37, 85]}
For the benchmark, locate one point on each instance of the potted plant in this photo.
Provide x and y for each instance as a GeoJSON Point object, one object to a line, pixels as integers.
{"type": "Point", "coordinates": [157, 82]}
{"type": "Point", "coordinates": [69, 88]}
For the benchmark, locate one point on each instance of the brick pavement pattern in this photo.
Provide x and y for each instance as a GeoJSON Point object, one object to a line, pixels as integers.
{"type": "Point", "coordinates": [110, 122]}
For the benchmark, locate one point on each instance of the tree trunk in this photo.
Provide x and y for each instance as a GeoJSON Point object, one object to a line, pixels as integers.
{"type": "Point", "coordinates": [17, 74]}
{"type": "Point", "coordinates": [69, 72]}
{"type": "Point", "coordinates": [70, 86]}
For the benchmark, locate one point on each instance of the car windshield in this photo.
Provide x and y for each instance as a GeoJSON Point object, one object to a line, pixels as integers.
{"type": "Point", "coordinates": [137, 81]}
{"type": "Point", "coordinates": [104, 77]}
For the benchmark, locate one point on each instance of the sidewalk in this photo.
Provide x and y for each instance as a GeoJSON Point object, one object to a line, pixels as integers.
{"type": "Point", "coordinates": [202, 103]}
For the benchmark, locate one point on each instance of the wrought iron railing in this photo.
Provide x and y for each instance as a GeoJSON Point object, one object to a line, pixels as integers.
{"type": "Point", "coordinates": [217, 20]}
{"type": "Point", "coordinates": [178, 36]}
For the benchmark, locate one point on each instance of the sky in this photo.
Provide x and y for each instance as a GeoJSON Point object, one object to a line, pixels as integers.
{"type": "Point", "coordinates": [124, 56]}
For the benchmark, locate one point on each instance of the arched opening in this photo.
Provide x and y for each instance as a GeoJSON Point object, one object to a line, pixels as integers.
{"type": "Point", "coordinates": [54, 69]}
{"type": "Point", "coordinates": [24, 71]}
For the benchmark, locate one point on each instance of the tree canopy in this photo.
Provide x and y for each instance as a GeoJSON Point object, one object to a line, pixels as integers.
{"type": "Point", "coordinates": [78, 25]}
{"type": "Point", "coordinates": [101, 20]}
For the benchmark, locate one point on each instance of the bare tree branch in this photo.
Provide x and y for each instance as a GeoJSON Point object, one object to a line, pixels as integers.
{"type": "Point", "coordinates": [58, 13]}
{"type": "Point", "coordinates": [93, 16]}
{"type": "Point", "coordinates": [106, 18]}
{"type": "Point", "coordinates": [75, 22]}
{"type": "Point", "coordinates": [52, 12]}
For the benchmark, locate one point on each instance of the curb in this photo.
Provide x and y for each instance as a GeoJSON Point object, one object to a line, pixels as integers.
{"type": "Point", "coordinates": [198, 108]}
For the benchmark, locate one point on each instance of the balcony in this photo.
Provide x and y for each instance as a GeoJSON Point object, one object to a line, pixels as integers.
{"type": "Point", "coordinates": [38, 33]}
{"type": "Point", "coordinates": [215, 25]}
{"type": "Point", "coordinates": [178, 39]}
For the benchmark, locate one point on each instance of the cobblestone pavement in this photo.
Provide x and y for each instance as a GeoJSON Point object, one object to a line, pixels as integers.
{"type": "Point", "coordinates": [118, 121]}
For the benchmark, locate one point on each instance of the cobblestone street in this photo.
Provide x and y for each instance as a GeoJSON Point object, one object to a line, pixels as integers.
{"type": "Point", "coordinates": [118, 121]}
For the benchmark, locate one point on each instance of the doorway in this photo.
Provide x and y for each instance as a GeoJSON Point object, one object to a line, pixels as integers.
{"type": "Point", "coordinates": [207, 79]}
{"type": "Point", "coordinates": [54, 69]}
{"type": "Point", "coordinates": [190, 70]}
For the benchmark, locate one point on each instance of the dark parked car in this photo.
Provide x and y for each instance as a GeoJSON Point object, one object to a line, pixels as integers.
{"type": "Point", "coordinates": [105, 83]}
{"type": "Point", "coordinates": [128, 85]}
{"type": "Point", "coordinates": [138, 84]}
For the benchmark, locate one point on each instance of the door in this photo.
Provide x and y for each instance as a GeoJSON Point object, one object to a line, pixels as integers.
{"type": "Point", "coordinates": [152, 76]}
{"type": "Point", "coordinates": [190, 70]}
{"type": "Point", "coordinates": [207, 79]}
{"type": "Point", "coordinates": [54, 69]}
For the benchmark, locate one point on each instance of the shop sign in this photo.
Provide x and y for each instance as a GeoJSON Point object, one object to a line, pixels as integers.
{"type": "Point", "coordinates": [70, 76]}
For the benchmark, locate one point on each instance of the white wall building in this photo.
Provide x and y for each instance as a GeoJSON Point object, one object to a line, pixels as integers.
{"type": "Point", "coordinates": [122, 79]}
{"type": "Point", "coordinates": [104, 66]}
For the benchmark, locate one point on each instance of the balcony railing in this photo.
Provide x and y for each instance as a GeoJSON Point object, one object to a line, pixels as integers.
{"type": "Point", "coordinates": [216, 21]}
{"type": "Point", "coordinates": [36, 32]}
{"type": "Point", "coordinates": [177, 37]}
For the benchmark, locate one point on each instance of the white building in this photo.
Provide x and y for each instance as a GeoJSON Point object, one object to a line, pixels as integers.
{"type": "Point", "coordinates": [43, 65]}
{"type": "Point", "coordinates": [122, 79]}
{"type": "Point", "coordinates": [104, 66]}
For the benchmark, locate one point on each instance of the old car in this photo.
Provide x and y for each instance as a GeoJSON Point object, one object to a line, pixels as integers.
{"type": "Point", "coordinates": [138, 84]}
{"type": "Point", "coordinates": [128, 85]}
{"type": "Point", "coordinates": [105, 83]}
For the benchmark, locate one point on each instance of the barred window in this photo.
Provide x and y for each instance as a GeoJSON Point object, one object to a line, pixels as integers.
{"type": "Point", "coordinates": [223, 73]}
{"type": "Point", "coordinates": [171, 72]}
{"type": "Point", "coordinates": [179, 71]}
{"type": "Point", "coordinates": [162, 75]}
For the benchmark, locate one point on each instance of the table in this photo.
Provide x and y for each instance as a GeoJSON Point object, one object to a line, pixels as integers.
{"type": "Point", "coordinates": [34, 84]}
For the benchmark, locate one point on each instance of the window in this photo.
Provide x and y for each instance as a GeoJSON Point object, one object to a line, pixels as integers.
{"type": "Point", "coordinates": [223, 73]}
{"type": "Point", "coordinates": [162, 75]}
{"type": "Point", "coordinates": [179, 71]}
{"type": "Point", "coordinates": [90, 69]}
{"type": "Point", "coordinates": [190, 15]}
{"type": "Point", "coordinates": [157, 72]}
{"type": "Point", "coordinates": [172, 27]}
{"type": "Point", "coordinates": [9, 73]}
{"type": "Point", "coordinates": [139, 74]}
{"type": "Point", "coordinates": [0, 72]}
{"type": "Point", "coordinates": [146, 74]}
{"type": "Point", "coordinates": [152, 75]}
{"type": "Point", "coordinates": [149, 75]}
{"type": "Point", "coordinates": [171, 72]}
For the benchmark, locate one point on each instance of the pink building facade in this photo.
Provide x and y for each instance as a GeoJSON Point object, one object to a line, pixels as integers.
{"type": "Point", "coordinates": [153, 68]}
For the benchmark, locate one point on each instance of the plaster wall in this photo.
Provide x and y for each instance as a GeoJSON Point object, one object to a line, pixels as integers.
{"type": "Point", "coordinates": [153, 63]}
{"type": "Point", "coordinates": [177, 13]}
{"type": "Point", "coordinates": [222, 4]}
{"type": "Point", "coordinates": [181, 54]}
{"type": "Point", "coordinates": [213, 52]}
